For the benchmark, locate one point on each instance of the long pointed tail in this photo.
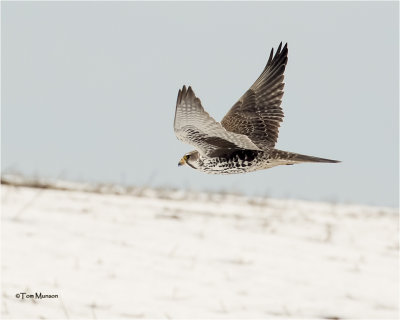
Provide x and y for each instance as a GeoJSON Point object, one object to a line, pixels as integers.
{"type": "Point", "coordinates": [292, 157]}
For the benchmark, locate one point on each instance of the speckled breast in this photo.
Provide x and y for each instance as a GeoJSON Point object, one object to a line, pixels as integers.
{"type": "Point", "coordinates": [239, 161]}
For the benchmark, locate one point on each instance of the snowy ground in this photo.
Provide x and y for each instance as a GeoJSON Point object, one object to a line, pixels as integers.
{"type": "Point", "coordinates": [155, 254]}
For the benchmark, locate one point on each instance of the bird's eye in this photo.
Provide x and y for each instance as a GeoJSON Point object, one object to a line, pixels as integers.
{"type": "Point", "coordinates": [187, 157]}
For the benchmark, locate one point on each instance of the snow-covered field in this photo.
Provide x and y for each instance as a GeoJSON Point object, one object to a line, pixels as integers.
{"type": "Point", "coordinates": [165, 254]}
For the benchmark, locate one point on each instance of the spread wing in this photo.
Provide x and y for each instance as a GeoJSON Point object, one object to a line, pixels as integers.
{"type": "Point", "coordinates": [193, 125]}
{"type": "Point", "coordinates": [258, 114]}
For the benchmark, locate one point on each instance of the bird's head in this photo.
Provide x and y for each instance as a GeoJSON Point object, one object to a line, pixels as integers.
{"type": "Point", "coordinates": [190, 159]}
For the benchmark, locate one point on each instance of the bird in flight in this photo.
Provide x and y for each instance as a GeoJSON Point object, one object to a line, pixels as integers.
{"type": "Point", "coordinates": [244, 141]}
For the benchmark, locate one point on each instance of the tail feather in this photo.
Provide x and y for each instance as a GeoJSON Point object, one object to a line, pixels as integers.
{"type": "Point", "coordinates": [292, 157]}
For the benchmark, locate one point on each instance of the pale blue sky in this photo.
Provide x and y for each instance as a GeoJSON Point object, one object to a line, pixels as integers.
{"type": "Point", "coordinates": [89, 91]}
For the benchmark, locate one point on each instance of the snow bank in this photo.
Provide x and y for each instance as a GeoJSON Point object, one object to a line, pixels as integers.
{"type": "Point", "coordinates": [157, 254]}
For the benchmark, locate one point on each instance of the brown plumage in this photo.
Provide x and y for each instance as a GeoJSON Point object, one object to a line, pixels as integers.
{"type": "Point", "coordinates": [258, 112]}
{"type": "Point", "coordinates": [244, 140]}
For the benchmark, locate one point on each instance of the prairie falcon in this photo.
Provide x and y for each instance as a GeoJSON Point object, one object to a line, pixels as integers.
{"type": "Point", "coordinates": [244, 140]}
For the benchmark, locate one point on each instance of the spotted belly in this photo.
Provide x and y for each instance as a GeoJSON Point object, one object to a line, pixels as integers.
{"type": "Point", "coordinates": [240, 161]}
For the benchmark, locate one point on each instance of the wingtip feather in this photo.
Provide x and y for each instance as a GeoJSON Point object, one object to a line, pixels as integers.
{"type": "Point", "coordinates": [181, 94]}
{"type": "Point", "coordinates": [279, 48]}
{"type": "Point", "coordinates": [271, 54]}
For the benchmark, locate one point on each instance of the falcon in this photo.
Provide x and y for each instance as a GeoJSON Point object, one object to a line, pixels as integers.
{"type": "Point", "coordinates": [245, 139]}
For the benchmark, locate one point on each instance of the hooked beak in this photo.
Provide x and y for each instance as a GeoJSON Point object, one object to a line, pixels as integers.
{"type": "Point", "coordinates": [181, 162]}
